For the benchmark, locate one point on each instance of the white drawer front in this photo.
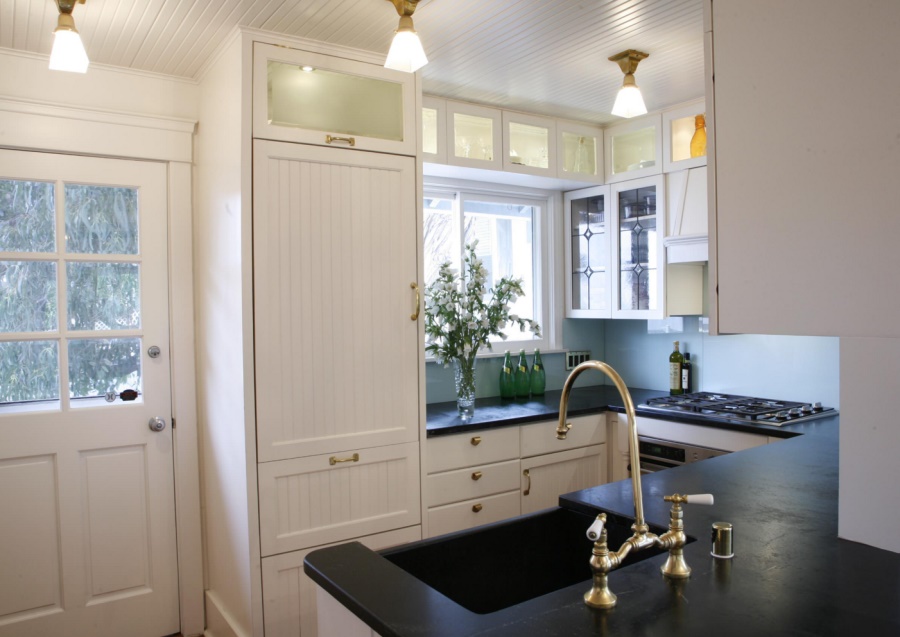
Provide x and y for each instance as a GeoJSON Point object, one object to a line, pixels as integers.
{"type": "Point", "coordinates": [289, 596]}
{"type": "Point", "coordinates": [466, 450]}
{"type": "Point", "coordinates": [304, 502]}
{"type": "Point", "coordinates": [540, 438]}
{"type": "Point", "coordinates": [472, 482]}
{"type": "Point", "coordinates": [465, 515]}
{"type": "Point", "coordinates": [698, 435]}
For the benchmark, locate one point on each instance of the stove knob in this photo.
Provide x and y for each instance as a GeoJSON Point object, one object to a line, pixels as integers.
{"type": "Point", "coordinates": [807, 409]}
{"type": "Point", "coordinates": [781, 415]}
{"type": "Point", "coordinates": [795, 412]}
{"type": "Point", "coordinates": [817, 407]}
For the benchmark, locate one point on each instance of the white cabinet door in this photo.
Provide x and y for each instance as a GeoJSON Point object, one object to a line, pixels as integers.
{"type": "Point", "coordinates": [588, 248]}
{"type": "Point", "coordinates": [545, 478]}
{"type": "Point", "coordinates": [289, 596]}
{"type": "Point", "coordinates": [337, 355]}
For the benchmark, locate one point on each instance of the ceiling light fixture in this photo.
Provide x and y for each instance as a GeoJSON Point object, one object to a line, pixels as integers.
{"type": "Point", "coordinates": [68, 52]}
{"type": "Point", "coordinates": [629, 101]}
{"type": "Point", "coordinates": [406, 52]}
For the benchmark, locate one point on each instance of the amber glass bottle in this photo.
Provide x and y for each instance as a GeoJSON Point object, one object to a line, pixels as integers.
{"type": "Point", "coordinates": [698, 141]}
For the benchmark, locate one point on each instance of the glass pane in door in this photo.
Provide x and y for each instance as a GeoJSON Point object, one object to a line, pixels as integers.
{"type": "Point", "coordinates": [638, 258]}
{"type": "Point", "coordinates": [27, 219]}
{"type": "Point", "coordinates": [29, 371]}
{"type": "Point", "coordinates": [590, 253]}
{"type": "Point", "coordinates": [101, 220]}
{"type": "Point", "coordinates": [473, 136]}
{"type": "Point", "coordinates": [103, 296]}
{"type": "Point", "coordinates": [429, 130]}
{"type": "Point", "coordinates": [27, 296]}
{"type": "Point", "coordinates": [528, 145]}
{"type": "Point", "coordinates": [100, 365]}
{"type": "Point", "coordinates": [579, 154]}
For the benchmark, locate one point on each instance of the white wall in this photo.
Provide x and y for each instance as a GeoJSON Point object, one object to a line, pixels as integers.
{"type": "Point", "coordinates": [220, 360]}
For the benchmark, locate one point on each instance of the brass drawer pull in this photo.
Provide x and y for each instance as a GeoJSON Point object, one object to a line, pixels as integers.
{"type": "Point", "coordinates": [527, 474]}
{"type": "Point", "coordinates": [476, 508]}
{"type": "Point", "coordinates": [333, 460]}
{"type": "Point", "coordinates": [415, 315]}
{"type": "Point", "coordinates": [330, 139]}
{"type": "Point", "coordinates": [476, 475]}
{"type": "Point", "coordinates": [476, 440]}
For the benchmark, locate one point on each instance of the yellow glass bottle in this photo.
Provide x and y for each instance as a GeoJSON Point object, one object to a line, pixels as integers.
{"type": "Point", "coordinates": [698, 141]}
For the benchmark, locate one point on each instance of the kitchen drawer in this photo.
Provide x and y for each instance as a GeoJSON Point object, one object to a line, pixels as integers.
{"type": "Point", "coordinates": [289, 596]}
{"type": "Point", "coordinates": [471, 482]}
{"type": "Point", "coordinates": [540, 438]}
{"type": "Point", "coordinates": [308, 501]}
{"type": "Point", "coordinates": [465, 515]}
{"type": "Point", "coordinates": [467, 450]}
{"type": "Point", "coordinates": [710, 437]}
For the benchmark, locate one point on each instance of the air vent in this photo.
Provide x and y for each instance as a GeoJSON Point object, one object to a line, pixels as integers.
{"type": "Point", "coordinates": [574, 359]}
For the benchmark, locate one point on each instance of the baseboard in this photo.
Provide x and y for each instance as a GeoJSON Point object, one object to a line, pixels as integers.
{"type": "Point", "coordinates": [219, 622]}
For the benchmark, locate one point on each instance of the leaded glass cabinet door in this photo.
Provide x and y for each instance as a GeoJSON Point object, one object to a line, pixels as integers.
{"type": "Point", "coordinates": [639, 223]}
{"type": "Point", "coordinates": [588, 253]}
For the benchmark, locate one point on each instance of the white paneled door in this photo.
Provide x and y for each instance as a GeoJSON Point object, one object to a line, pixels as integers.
{"type": "Point", "coordinates": [87, 522]}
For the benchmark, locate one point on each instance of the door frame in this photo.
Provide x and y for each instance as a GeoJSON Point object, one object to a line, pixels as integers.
{"type": "Point", "coordinates": [41, 126]}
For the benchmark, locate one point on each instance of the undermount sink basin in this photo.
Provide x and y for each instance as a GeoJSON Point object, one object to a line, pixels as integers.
{"type": "Point", "coordinates": [499, 565]}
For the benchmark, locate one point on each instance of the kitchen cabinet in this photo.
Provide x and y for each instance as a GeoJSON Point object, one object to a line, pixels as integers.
{"type": "Point", "coordinates": [494, 474]}
{"type": "Point", "coordinates": [289, 605]}
{"type": "Point", "coordinates": [822, 251]}
{"type": "Point", "coordinates": [319, 445]}
{"type": "Point", "coordinates": [308, 97]}
{"type": "Point", "coordinates": [638, 264]}
{"type": "Point", "coordinates": [679, 125]}
{"type": "Point", "coordinates": [588, 252]}
{"type": "Point", "coordinates": [529, 144]}
{"type": "Point", "coordinates": [579, 152]}
{"type": "Point", "coordinates": [434, 129]}
{"type": "Point", "coordinates": [687, 230]}
{"type": "Point", "coordinates": [474, 136]}
{"type": "Point", "coordinates": [633, 149]}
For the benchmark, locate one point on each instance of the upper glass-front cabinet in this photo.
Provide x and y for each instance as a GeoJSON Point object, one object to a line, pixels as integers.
{"type": "Point", "coordinates": [434, 130]}
{"type": "Point", "coordinates": [529, 144]}
{"type": "Point", "coordinates": [684, 137]}
{"type": "Point", "coordinates": [474, 136]}
{"type": "Point", "coordinates": [633, 149]}
{"type": "Point", "coordinates": [588, 244]}
{"type": "Point", "coordinates": [318, 99]}
{"type": "Point", "coordinates": [638, 245]}
{"type": "Point", "coordinates": [579, 152]}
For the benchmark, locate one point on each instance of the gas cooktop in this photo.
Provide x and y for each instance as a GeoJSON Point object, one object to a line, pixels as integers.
{"type": "Point", "coordinates": [730, 408]}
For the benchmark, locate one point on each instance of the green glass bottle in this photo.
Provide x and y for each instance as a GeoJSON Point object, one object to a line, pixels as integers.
{"type": "Point", "coordinates": [538, 375]}
{"type": "Point", "coordinates": [523, 378]}
{"type": "Point", "coordinates": [676, 360]}
{"type": "Point", "coordinates": [507, 378]}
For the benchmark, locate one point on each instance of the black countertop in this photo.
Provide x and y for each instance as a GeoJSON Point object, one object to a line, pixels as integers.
{"type": "Point", "coordinates": [791, 574]}
{"type": "Point", "coordinates": [443, 418]}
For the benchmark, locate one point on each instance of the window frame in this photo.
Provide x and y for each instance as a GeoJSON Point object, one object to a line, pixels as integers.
{"type": "Point", "coordinates": [544, 250]}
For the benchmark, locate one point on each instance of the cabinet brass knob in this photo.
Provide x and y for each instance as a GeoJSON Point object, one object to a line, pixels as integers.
{"type": "Point", "coordinates": [476, 475]}
{"type": "Point", "coordinates": [476, 440]}
{"type": "Point", "coordinates": [476, 508]}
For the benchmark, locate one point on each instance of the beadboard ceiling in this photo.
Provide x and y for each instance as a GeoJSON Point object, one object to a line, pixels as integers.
{"type": "Point", "coordinates": [542, 56]}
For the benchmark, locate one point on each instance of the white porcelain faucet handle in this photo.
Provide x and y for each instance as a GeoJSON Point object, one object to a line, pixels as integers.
{"type": "Point", "coordinates": [699, 498]}
{"type": "Point", "coordinates": [596, 529]}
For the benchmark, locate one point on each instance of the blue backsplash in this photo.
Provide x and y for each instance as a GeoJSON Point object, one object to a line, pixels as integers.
{"type": "Point", "coordinates": [801, 368]}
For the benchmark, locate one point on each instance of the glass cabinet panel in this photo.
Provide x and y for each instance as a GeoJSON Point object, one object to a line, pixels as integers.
{"type": "Point", "coordinates": [638, 255]}
{"type": "Point", "coordinates": [429, 131]}
{"type": "Point", "coordinates": [579, 154]}
{"type": "Point", "coordinates": [634, 150]}
{"type": "Point", "coordinates": [529, 145]}
{"type": "Point", "coordinates": [679, 128]}
{"type": "Point", "coordinates": [588, 253]}
{"type": "Point", "coordinates": [434, 129]}
{"type": "Point", "coordinates": [473, 137]}
{"type": "Point", "coordinates": [322, 100]}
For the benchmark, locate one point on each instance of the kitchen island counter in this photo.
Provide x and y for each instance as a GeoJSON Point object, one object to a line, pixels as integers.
{"type": "Point", "coordinates": [791, 575]}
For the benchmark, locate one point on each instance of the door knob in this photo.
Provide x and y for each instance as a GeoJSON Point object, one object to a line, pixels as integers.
{"type": "Point", "coordinates": [157, 424]}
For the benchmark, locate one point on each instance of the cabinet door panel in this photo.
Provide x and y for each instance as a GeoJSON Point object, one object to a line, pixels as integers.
{"type": "Point", "coordinates": [337, 356]}
{"type": "Point", "coordinates": [551, 475]}
{"type": "Point", "coordinates": [308, 501]}
{"type": "Point", "coordinates": [540, 438]}
{"type": "Point", "coordinates": [465, 515]}
{"type": "Point", "coordinates": [472, 482]}
{"type": "Point", "coordinates": [466, 450]}
{"type": "Point", "coordinates": [289, 596]}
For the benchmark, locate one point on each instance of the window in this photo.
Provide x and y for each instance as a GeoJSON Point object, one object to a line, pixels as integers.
{"type": "Point", "coordinates": [510, 228]}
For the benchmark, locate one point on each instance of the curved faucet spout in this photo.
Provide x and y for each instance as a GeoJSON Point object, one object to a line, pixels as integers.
{"type": "Point", "coordinates": [639, 527]}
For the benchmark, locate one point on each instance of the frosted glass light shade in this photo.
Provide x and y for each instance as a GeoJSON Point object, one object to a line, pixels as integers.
{"type": "Point", "coordinates": [406, 52]}
{"type": "Point", "coordinates": [629, 102]}
{"type": "Point", "coordinates": [68, 52]}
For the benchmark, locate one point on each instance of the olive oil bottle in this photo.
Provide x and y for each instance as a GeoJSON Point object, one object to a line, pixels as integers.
{"type": "Point", "coordinates": [676, 360]}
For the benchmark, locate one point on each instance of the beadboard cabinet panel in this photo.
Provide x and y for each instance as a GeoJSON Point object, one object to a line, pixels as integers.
{"type": "Point", "coordinates": [304, 502]}
{"type": "Point", "coordinates": [289, 598]}
{"type": "Point", "coordinates": [545, 477]}
{"type": "Point", "coordinates": [335, 241]}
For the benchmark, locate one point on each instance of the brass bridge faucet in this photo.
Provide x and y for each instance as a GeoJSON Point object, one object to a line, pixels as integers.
{"type": "Point", "coordinates": [602, 559]}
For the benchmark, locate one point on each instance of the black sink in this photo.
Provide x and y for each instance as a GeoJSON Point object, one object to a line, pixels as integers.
{"type": "Point", "coordinates": [499, 565]}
